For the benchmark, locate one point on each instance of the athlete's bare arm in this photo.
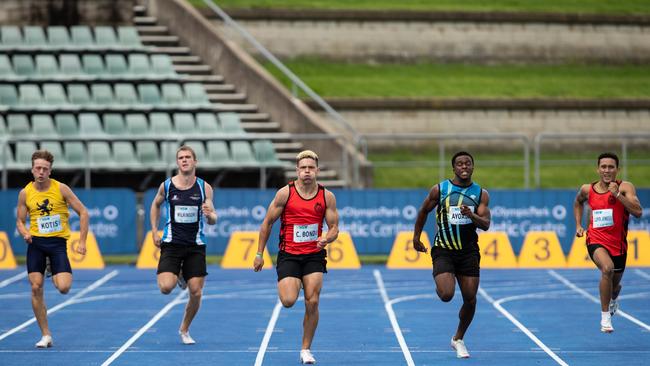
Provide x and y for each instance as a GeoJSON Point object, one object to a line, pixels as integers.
{"type": "Point", "coordinates": [482, 217]}
{"type": "Point", "coordinates": [628, 198]}
{"type": "Point", "coordinates": [430, 202]}
{"type": "Point", "coordinates": [208, 207]}
{"type": "Point", "coordinates": [332, 220]}
{"type": "Point", "coordinates": [73, 201]}
{"type": "Point", "coordinates": [578, 208]}
{"type": "Point", "coordinates": [154, 213]}
{"type": "Point", "coordinates": [21, 216]}
{"type": "Point", "coordinates": [272, 215]}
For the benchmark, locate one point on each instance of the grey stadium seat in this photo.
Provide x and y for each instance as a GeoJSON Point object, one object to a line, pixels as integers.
{"type": "Point", "coordinates": [195, 93]}
{"type": "Point", "coordinates": [81, 36]}
{"type": "Point", "coordinates": [99, 155]}
{"type": "Point", "coordinates": [162, 65]}
{"type": "Point", "coordinates": [70, 65]}
{"type": "Point", "coordinates": [105, 36]}
{"type": "Point", "coordinates": [75, 153]}
{"type": "Point", "coordinates": [242, 153]}
{"type": "Point", "coordinates": [30, 95]}
{"type": "Point", "coordinates": [8, 95]}
{"type": "Point", "coordinates": [184, 123]}
{"type": "Point", "coordinates": [78, 94]}
{"type": "Point", "coordinates": [53, 94]}
{"type": "Point", "coordinates": [139, 65]}
{"type": "Point", "coordinates": [24, 65]}
{"type": "Point", "coordinates": [18, 125]}
{"type": "Point", "coordinates": [161, 124]}
{"type": "Point", "coordinates": [125, 94]}
{"type": "Point", "coordinates": [124, 155]}
{"type": "Point", "coordinates": [102, 94]}
{"type": "Point", "coordinates": [230, 123]}
{"type": "Point", "coordinates": [93, 65]}
{"type": "Point", "coordinates": [58, 36]}
{"type": "Point", "coordinates": [149, 94]}
{"type": "Point", "coordinates": [116, 65]}
{"type": "Point", "coordinates": [207, 123]}
{"type": "Point", "coordinates": [172, 94]}
{"type": "Point", "coordinates": [43, 126]}
{"type": "Point", "coordinates": [90, 125]}
{"type": "Point", "coordinates": [46, 65]}
{"type": "Point", "coordinates": [265, 152]}
{"type": "Point", "coordinates": [34, 36]}
{"type": "Point", "coordinates": [147, 153]}
{"type": "Point", "coordinates": [128, 36]}
{"type": "Point", "coordinates": [136, 124]}
{"type": "Point", "coordinates": [218, 152]}
{"type": "Point", "coordinates": [114, 124]}
{"type": "Point", "coordinates": [66, 125]}
{"type": "Point", "coordinates": [11, 36]}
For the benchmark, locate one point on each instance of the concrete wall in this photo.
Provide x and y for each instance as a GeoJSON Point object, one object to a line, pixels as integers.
{"type": "Point", "coordinates": [66, 12]}
{"type": "Point", "coordinates": [450, 41]}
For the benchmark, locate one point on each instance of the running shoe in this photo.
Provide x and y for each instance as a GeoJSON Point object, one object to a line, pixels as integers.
{"type": "Point", "coordinates": [181, 281]}
{"type": "Point", "coordinates": [613, 307]}
{"type": "Point", "coordinates": [48, 268]}
{"type": "Point", "coordinates": [459, 346]}
{"type": "Point", "coordinates": [306, 357]}
{"type": "Point", "coordinates": [606, 325]}
{"type": "Point", "coordinates": [45, 342]}
{"type": "Point", "coordinates": [186, 338]}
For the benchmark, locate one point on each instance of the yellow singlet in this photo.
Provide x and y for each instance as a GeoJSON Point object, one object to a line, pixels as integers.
{"type": "Point", "coordinates": [48, 211]}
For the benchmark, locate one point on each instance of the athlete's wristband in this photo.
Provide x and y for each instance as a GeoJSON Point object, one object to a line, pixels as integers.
{"type": "Point", "coordinates": [618, 194]}
{"type": "Point", "coordinates": [259, 255]}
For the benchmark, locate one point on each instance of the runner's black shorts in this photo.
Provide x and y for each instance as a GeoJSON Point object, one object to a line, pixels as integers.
{"type": "Point", "coordinates": [299, 265]}
{"type": "Point", "coordinates": [53, 247]}
{"type": "Point", "coordinates": [619, 260]}
{"type": "Point", "coordinates": [191, 258]}
{"type": "Point", "coordinates": [460, 262]}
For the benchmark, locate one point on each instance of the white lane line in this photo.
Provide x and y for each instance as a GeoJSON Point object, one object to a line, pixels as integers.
{"type": "Point", "coordinates": [589, 296]}
{"type": "Point", "coordinates": [177, 300]}
{"type": "Point", "coordinates": [506, 313]}
{"type": "Point", "coordinates": [393, 318]}
{"type": "Point", "coordinates": [62, 305]}
{"type": "Point", "coordinates": [15, 278]}
{"type": "Point", "coordinates": [642, 274]}
{"type": "Point", "coordinates": [337, 351]}
{"type": "Point", "coordinates": [268, 333]}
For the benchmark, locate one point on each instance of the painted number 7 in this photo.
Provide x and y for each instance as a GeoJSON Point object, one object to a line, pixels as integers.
{"type": "Point", "coordinates": [249, 242]}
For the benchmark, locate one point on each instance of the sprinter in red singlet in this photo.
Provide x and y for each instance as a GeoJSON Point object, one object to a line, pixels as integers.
{"type": "Point", "coordinates": [611, 202]}
{"type": "Point", "coordinates": [302, 206]}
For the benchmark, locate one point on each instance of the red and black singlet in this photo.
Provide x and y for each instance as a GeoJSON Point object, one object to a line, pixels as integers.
{"type": "Point", "coordinates": [302, 222]}
{"type": "Point", "coordinates": [608, 222]}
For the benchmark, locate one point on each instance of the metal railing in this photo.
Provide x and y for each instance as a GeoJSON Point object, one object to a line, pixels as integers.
{"type": "Point", "coordinates": [610, 138]}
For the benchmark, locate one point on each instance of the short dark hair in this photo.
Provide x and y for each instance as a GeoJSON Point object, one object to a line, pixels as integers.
{"type": "Point", "coordinates": [607, 155]}
{"type": "Point", "coordinates": [43, 154]}
{"type": "Point", "coordinates": [461, 153]}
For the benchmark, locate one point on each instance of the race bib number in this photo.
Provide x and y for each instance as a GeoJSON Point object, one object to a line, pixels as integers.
{"type": "Point", "coordinates": [305, 233]}
{"type": "Point", "coordinates": [186, 214]}
{"type": "Point", "coordinates": [457, 218]}
{"type": "Point", "coordinates": [603, 218]}
{"type": "Point", "coordinates": [49, 224]}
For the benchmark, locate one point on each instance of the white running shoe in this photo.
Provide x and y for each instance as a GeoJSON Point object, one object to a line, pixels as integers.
{"type": "Point", "coordinates": [306, 357]}
{"type": "Point", "coordinates": [181, 281]}
{"type": "Point", "coordinates": [459, 346]}
{"type": "Point", "coordinates": [606, 325]}
{"type": "Point", "coordinates": [48, 268]}
{"type": "Point", "coordinates": [45, 342]}
{"type": "Point", "coordinates": [613, 307]}
{"type": "Point", "coordinates": [186, 338]}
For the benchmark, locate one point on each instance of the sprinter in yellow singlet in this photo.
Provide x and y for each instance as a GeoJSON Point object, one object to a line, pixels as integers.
{"type": "Point", "coordinates": [46, 200]}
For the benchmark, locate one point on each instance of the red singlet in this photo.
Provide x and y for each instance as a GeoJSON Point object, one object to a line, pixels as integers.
{"type": "Point", "coordinates": [302, 222]}
{"type": "Point", "coordinates": [607, 222]}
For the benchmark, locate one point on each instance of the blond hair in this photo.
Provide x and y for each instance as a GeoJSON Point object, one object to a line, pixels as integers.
{"type": "Point", "coordinates": [186, 148]}
{"type": "Point", "coordinates": [306, 154]}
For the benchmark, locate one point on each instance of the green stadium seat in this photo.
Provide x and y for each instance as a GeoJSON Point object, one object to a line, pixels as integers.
{"type": "Point", "coordinates": [55, 148]}
{"type": "Point", "coordinates": [8, 95]}
{"type": "Point", "coordinates": [66, 125]}
{"type": "Point", "coordinates": [139, 65]}
{"type": "Point", "coordinates": [24, 151]}
{"type": "Point", "coordinates": [18, 125]}
{"type": "Point", "coordinates": [184, 123]}
{"type": "Point", "coordinates": [46, 65]}
{"type": "Point", "coordinates": [128, 36]}
{"type": "Point", "coordinates": [70, 65]}
{"type": "Point", "coordinates": [34, 36]}
{"type": "Point", "coordinates": [114, 124]}
{"type": "Point", "coordinates": [102, 94]}
{"type": "Point", "coordinates": [81, 36]}
{"type": "Point", "coordinates": [58, 36]}
{"type": "Point", "coordinates": [199, 150]}
{"type": "Point", "coordinates": [116, 65]}
{"type": "Point", "coordinates": [6, 156]}
{"type": "Point", "coordinates": [147, 154]}
{"type": "Point", "coordinates": [168, 152]}
{"type": "Point", "coordinates": [99, 155]}
{"type": "Point", "coordinates": [125, 94]}
{"type": "Point", "coordinates": [124, 155]}
{"type": "Point", "coordinates": [75, 153]}
{"type": "Point", "coordinates": [218, 153]}
{"type": "Point", "coordinates": [149, 94]}
{"type": "Point", "coordinates": [207, 123]}
{"type": "Point", "coordinates": [43, 126]}
{"type": "Point", "coordinates": [11, 36]}
{"type": "Point", "coordinates": [24, 65]}
{"type": "Point", "coordinates": [105, 36]}
{"type": "Point", "coordinates": [172, 94]}
{"type": "Point", "coordinates": [29, 95]}
{"type": "Point", "coordinates": [195, 93]}
{"type": "Point", "coordinates": [242, 153]}
{"type": "Point", "coordinates": [78, 94]}
{"type": "Point", "coordinates": [90, 125]}
{"type": "Point", "coordinates": [161, 124]}
{"type": "Point", "coordinates": [6, 70]}
{"type": "Point", "coordinates": [265, 152]}
{"type": "Point", "coordinates": [3, 130]}
{"type": "Point", "coordinates": [93, 65]}
{"type": "Point", "coordinates": [162, 65]}
{"type": "Point", "coordinates": [137, 125]}
{"type": "Point", "coordinates": [230, 123]}
{"type": "Point", "coordinates": [53, 94]}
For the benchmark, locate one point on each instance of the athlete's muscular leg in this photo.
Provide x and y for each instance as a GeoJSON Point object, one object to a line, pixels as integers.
{"type": "Point", "coordinates": [606, 266]}
{"type": "Point", "coordinates": [62, 281]}
{"type": "Point", "coordinates": [468, 288]}
{"type": "Point", "coordinates": [445, 285]}
{"type": "Point", "coordinates": [616, 284]}
{"type": "Point", "coordinates": [313, 283]}
{"type": "Point", "coordinates": [38, 302]}
{"type": "Point", "coordinates": [288, 291]}
{"type": "Point", "coordinates": [195, 289]}
{"type": "Point", "coordinates": [166, 282]}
